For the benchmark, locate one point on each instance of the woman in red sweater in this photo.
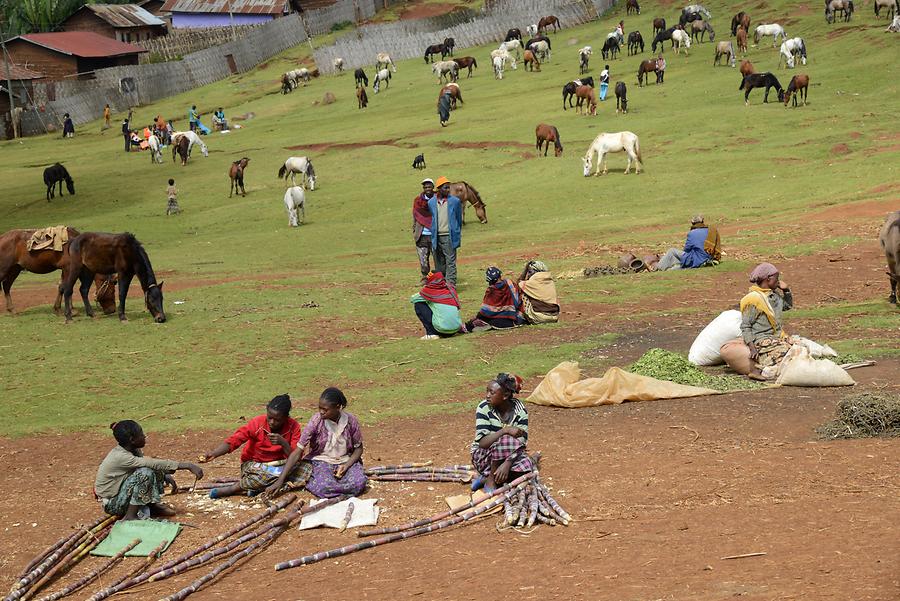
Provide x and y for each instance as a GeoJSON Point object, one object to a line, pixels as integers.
{"type": "Point", "coordinates": [269, 439]}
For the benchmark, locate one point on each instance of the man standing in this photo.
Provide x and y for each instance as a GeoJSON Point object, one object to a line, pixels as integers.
{"type": "Point", "coordinates": [126, 131]}
{"type": "Point", "coordinates": [422, 227]}
{"type": "Point", "coordinates": [193, 118]}
{"type": "Point", "coordinates": [446, 229]}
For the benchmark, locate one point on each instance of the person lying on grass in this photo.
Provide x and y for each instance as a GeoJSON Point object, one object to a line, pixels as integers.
{"type": "Point", "coordinates": [130, 485]}
{"type": "Point", "coordinates": [501, 433]}
{"type": "Point", "coordinates": [332, 442]}
{"type": "Point", "coordinates": [267, 440]}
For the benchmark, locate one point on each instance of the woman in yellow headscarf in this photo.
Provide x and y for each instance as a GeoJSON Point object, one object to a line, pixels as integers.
{"type": "Point", "coordinates": [539, 301]}
{"type": "Point", "coordinates": [761, 325]}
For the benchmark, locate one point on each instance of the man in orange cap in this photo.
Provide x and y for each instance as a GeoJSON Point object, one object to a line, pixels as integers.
{"type": "Point", "coordinates": [446, 228]}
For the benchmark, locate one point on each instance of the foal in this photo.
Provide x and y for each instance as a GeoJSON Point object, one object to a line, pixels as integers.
{"type": "Point", "coordinates": [236, 173]}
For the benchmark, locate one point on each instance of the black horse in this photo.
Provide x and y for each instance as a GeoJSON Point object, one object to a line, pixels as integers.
{"type": "Point", "coordinates": [621, 95]}
{"type": "Point", "coordinates": [449, 44]}
{"type": "Point", "coordinates": [513, 34]}
{"type": "Point", "coordinates": [57, 173]}
{"type": "Point", "coordinates": [735, 21]}
{"type": "Point", "coordinates": [436, 49]}
{"type": "Point", "coordinates": [687, 17]}
{"type": "Point", "coordinates": [610, 47]}
{"type": "Point", "coordinates": [568, 91]}
{"type": "Point", "coordinates": [761, 80]}
{"type": "Point", "coordinates": [419, 162]}
{"type": "Point", "coordinates": [661, 37]}
{"type": "Point", "coordinates": [635, 40]}
{"type": "Point", "coordinates": [361, 78]}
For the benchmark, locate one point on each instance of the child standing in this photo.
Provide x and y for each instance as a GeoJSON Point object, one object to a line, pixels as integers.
{"type": "Point", "coordinates": [172, 194]}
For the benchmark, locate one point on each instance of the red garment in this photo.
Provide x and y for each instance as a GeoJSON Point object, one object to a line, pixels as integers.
{"type": "Point", "coordinates": [421, 213]}
{"type": "Point", "coordinates": [258, 447]}
{"type": "Point", "coordinates": [439, 290]}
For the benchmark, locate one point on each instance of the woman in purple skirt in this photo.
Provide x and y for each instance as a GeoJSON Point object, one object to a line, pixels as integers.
{"type": "Point", "coordinates": [332, 442]}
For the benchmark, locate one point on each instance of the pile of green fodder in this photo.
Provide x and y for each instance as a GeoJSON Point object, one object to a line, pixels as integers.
{"type": "Point", "coordinates": [864, 415]}
{"type": "Point", "coordinates": [675, 367]}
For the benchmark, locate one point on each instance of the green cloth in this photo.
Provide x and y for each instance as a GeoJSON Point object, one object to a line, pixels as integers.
{"type": "Point", "coordinates": [151, 532]}
{"type": "Point", "coordinates": [444, 318]}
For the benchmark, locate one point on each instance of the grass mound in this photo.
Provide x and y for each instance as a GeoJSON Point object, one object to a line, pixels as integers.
{"type": "Point", "coordinates": [864, 415]}
{"type": "Point", "coordinates": [675, 367]}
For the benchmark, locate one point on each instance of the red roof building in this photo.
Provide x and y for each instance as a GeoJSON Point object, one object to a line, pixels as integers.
{"type": "Point", "coordinates": [70, 53]}
{"type": "Point", "coordinates": [123, 22]}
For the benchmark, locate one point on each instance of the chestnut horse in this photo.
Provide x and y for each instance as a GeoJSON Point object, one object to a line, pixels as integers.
{"type": "Point", "coordinates": [455, 94]}
{"type": "Point", "coordinates": [546, 22]}
{"type": "Point", "coordinates": [545, 134]}
{"type": "Point", "coordinates": [798, 86]}
{"type": "Point", "coordinates": [648, 66]}
{"type": "Point", "coordinates": [586, 95]}
{"type": "Point", "coordinates": [531, 61]}
{"type": "Point", "coordinates": [466, 62]}
{"type": "Point", "coordinates": [659, 24]}
{"type": "Point", "coordinates": [236, 173]}
{"type": "Point", "coordinates": [92, 253]}
{"type": "Point", "coordinates": [183, 148]}
{"type": "Point", "coordinates": [747, 68]}
{"type": "Point", "coordinates": [469, 195]}
{"type": "Point", "coordinates": [361, 97]}
{"type": "Point", "coordinates": [14, 258]}
{"type": "Point", "coordinates": [742, 39]}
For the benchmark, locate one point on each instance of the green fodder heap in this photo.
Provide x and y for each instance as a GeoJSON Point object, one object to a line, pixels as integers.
{"type": "Point", "coordinates": [675, 367]}
{"type": "Point", "coordinates": [864, 415]}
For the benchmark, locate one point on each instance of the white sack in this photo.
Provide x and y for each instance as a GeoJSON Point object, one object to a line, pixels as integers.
{"type": "Point", "coordinates": [705, 349]}
{"type": "Point", "coordinates": [365, 513]}
{"type": "Point", "coordinates": [800, 369]}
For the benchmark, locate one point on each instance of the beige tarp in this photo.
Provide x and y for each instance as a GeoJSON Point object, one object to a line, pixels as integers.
{"type": "Point", "coordinates": [562, 388]}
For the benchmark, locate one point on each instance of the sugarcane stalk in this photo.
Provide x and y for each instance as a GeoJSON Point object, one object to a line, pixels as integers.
{"type": "Point", "coordinates": [508, 511]}
{"type": "Point", "coordinates": [403, 466]}
{"type": "Point", "coordinates": [445, 514]}
{"type": "Point", "coordinates": [523, 508]}
{"type": "Point", "coordinates": [198, 583]}
{"type": "Point", "coordinates": [421, 471]}
{"type": "Point", "coordinates": [347, 516]}
{"type": "Point", "coordinates": [414, 470]}
{"type": "Point", "coordinates": [532, 506]}
{"type": "Point", "coordinates": [566, 518]}
{"type": "Point", "coordinates": [546, 520]}
{"type": "Point", "coordinates": [80, 584]}
{"type": "Point", "coordinates": [67, 562]}
{"type": "Point", "coordinates": [145, 565]}
{"type": "Point", "coordinates": [456, 519]}
{"type": "Point", "coordinates": [422, 478]}
{"type": "Point", "coordinates": [226, 480]}
{"type": "Point", "coordinates": [46, 553]}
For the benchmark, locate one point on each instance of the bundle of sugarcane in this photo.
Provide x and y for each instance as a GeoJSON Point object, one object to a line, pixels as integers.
{"type": "Point", "coordinates": [46, 553]}
{"type": "Point", "coordinates": [142, 567]}
{"type": "Point", "coordinates": [533, 503]}
{"type": "Point", "coordinates": [66, 563]}
{"type": "Point", "coordinates": [424, 477]}
{"type": "Point", "coordinates": [443, 515]}
{"type": "Point", "coordinates": [412, 469]}
{"type": "Point", "coordinates": [404, 466]}
{"type": "Point", "coordinates": [465, 517]}
{"type": "Point", "coordinates": [80, 584]}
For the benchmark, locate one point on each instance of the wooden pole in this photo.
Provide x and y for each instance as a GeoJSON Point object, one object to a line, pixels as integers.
{"type": "Point", "coordinates": [12, 101]}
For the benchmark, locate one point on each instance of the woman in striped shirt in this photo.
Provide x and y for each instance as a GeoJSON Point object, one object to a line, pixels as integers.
{"type": "Point", "coordinates": [501, 433]}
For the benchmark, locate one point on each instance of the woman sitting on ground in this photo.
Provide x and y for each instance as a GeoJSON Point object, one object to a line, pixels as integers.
{"type": "Point", "coordinates": [539, 301]}
{"type": "Point", "coordinates": [502, 304]}
{"type": "Point", "coordinates": [130, 485]}
{"type": "Point", "coordinates": [267, 440]}
{"type": "Point", "coordinates": [501, 434]}
{"type": "Point", "coordinates": [437, 307]}
{"type": "Point", "coordinates": [332, 442]}
{"type": "Point", "coordinates": [219, 121]}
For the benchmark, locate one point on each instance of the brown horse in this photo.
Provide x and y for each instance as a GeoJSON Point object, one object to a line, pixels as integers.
{"type": "Point", "coordinates": [546, 22]}
{"type": "Point", "coordinates": [545, 134]}
{"type": "Point", "coordinates": [648, 66]}
{"type": "Point", "coordinates": [236, 173]}
{"type": "Point", "coordinates": [469, 195]}
{"type": "Point", "coordinates": [14, 258]}
{"type": "Point", "coordinates": [586, 95]}
{"type": "Point", "coordinates": [531, 61]}
{"type": "Point", "coordinates": [659, 25]}
{"type": "Point", "coordinates": [361, 97]}
{"type": "Point", "coordinates": [183, 148]}
{"type": "Point", "coordinates": [466, 62]}
{"type": "Point", "coordinates": [742, 39]}
{"type": "Point", "coordinates": [92, 253]}
{"type": "Point", "coordinates": [632, 6]}
{"type": "Point", "coordinates": [798, 86]}
{"type": "Point", "coordinates": [455, 94]}
{"type": "Point", "coordinates": [747, 68]}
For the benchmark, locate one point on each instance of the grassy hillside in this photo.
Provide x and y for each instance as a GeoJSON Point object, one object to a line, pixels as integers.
{"type": "Point", "coordinates": [244, 327]}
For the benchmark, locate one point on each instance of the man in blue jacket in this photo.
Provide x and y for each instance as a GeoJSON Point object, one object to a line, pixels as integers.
{"type": "Point", "coordinates": [446, 228]}
{"type": "Point", "coordinates": [702, 247]}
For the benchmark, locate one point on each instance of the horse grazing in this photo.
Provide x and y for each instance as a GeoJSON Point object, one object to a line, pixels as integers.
{"type": "Point", "coordinates": [635, 41]}
{"type": "Point", "coordinates": [659, 24]}
{"type": "Point", "coordinates": [725, 48]}
{"type": "Point", "coordinates": [446, 69]}
{"type": "Point", "coordinates": [183, 148]}
{"type": "Point", "coordinates": [455, 94]}
{"type": "Point", "coordinates": [700, 28]}
{"type": "Point", "coordinates": [610, 47]}
{"type": "Point", "coordinates": [661, 37]}
{"type": "Point", "coordinates": [301, 165]}
{"type": "Point", "coordinates": [646, 67]}
{"type": "Point", "coordinates": [57, 173]}
{"type": "Point", "coordinates": [632, 6]}
{"type": "Point", "coordinates": [382, 76]}
{"type": "Point", "coordinates": [586, 95]}
{"type": "Point", "coordinates": [584, 56]}
{"type": "Point", "coordinates": [466, 62]}
{"type": "Point", "coordinates": [621, 97]}
{"type": "Point", "coordinates": [469, 195]}
{"type": "Point", "coordinates": [889, 238]}
{"type": "Point", "coordinates": [694, 12]}
{"type": "Point", "coordinates": [603, 144]}
{"type": "Point", "coordinates": [798, 86]}
{"type": "Point", "coordinates": [541, 49]}
{"type": "Point", "coordinates": [544, 134]}
{"type": "Point", "coordinates": [449, 44]}
{"type": "Point", "coordinates": [747, 68]}
{"type": "Point", "coordinates": [295, 203]}
{"type": "Point", "coordinates": [419, 162]}
{"type": "Point", "coordinates": [889, 4]}
{"type": "Point", "coordinates": [531, 62]}
{"type": "Point", "coordinates": [498, 67]}
{"type": "Point", "coordinates": [790, 49]}
{"type": "Point", "coordinates": [761, 80]}
{"type": "Point", "coordinates": [361, 78]}
{"type": "Point", "coordinates": [193, 138]}
{"type": "Point", "coordinates": [531, 30]}
{"type": "Point", "coordinates": [742, 39]}
{"type": "Point", "coordinates": [383, 60]}
{"type": "Point", "coordinates": [680, 39]}
{"type": "Point", "coordinates": [92, 253]}
{"type": "Point", "coordinates": [435, 49]}
{"type": "Point", "coordinates": [361, 97]}
{"type": "Point", "coordinates": [512, 45]}
{"type": "Point", "coordinates": [155, 152]}
{"type": "Point", "coordinates": [236, 173]}
{"type": "Point", "coordinates": [338, 64]}
{"type": "Point", "coordinates": [15, 258]}
{"type": "Point", "coordinates": [546, 22]}
{"type": "Point", "coordinates": [513, 34]}
{"type": "Point", "coordinates": [773, 29]}
{"type": "Point", "coordinates": [568, 91]}
{"type": "Point", "coordinates": [736, 21]}
{"type": "Point", "coordinates": [838, 6]}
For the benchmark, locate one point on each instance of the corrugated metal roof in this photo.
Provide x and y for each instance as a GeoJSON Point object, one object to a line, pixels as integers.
{"type": "Point", "coordinates": [85, 44]}
{"type": "Point", "coordinates": [18, 72]}
{"type": "Point", "coordinates": [252, 7]}
{"type": "Point", "coordinates": [123, 15]}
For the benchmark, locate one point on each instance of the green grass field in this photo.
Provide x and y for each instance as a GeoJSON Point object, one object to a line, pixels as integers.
{"type": "Point", "coordinates": [242, 333]}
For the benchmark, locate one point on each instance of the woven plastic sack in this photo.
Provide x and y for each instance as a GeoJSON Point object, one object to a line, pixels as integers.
{"type": "Point", "coordinates": [705, 349]}
{"type": "Point", "coordinates": [800, 369]}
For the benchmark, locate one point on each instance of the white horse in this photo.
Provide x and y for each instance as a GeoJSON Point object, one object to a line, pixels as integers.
{"type": "Point", "coordinates": [193, 138]}
{"type": "Point", "coordinates": [722, 49]}
{"type": "Point", "coordinates": [383, 61]}
{"type": "Point", "coordinates": [512, 45]}
{"type": "Point", "coordinates": [681, 38]}
{"type": "Point", "coordinates": [448, 69]}
{"type": "Point", "coordinates": [618, 142]}
{"type": "Point", "coordinates": [619, 34]}
{"type": "Point", "coordinates": [295, 203]}
{"type": "Point", "coordinates": [382, 76]}
{"type": "Point", "coordinates": [541, 49]}
{"type": "Point", "coordinates": [338, 64]}
{"type": "Point", "coordinates": [792, 48]}
{"type": "Point", "coordinates": [508, 59]}
{"type": "Point", "coordinates": [772, 29]}
{"type": "Point", "coordinates": [697, 8]}
{"type": "Point", "coordinates": [498, 67]}
{"type": "Point", "coordinates": [301, 165]}
{"type": "Point", "coordinates": [155, 152]}
{"type": "Point", "coordinates": [531, 30]}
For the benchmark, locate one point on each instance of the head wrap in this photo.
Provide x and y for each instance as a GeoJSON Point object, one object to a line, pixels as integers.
{"type": "Point", "coordinates": [696, 219]}
{"type": "Point", "coordinates": [762, 271]}
{"type": "Point", "coordinates": [538, 266]}
{"type": "Point", "coordinates": [509, 382]}
{"type": "Point", "coordinates": [492, 274]}
{"type": "Point", "coordinates": [441, 181]}
{"type": "Point", "coordinates": [438, 290]}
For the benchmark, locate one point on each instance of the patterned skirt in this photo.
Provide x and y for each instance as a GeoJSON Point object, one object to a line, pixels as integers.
{"type": "Point", "coordinates": [772, 351]}
{"type": "Point", "coordinates": [324, 484]}
{"type": "Point", "coordinates": [258, 476]}
{"type": "Point", "coordinates": [505, 448]}
{"type": "Point", "coordinates": [143, 487]}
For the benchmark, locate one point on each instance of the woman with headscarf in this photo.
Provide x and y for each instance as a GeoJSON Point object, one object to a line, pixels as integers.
{"type": "Point", "coordinates": [444, 107]}
{"type": "Point", "coordinates": [501, 435]}
{"type": "Point", "coordinates": [539, 301]}
{"type": "Point", "coordinates": [761, 325]}
{"type": "Point", "coordinates": [437, 307]}
{"type": "Point", "coordinates": [501, 306]}
{"type": "Point", "coordinates": [68, 126]}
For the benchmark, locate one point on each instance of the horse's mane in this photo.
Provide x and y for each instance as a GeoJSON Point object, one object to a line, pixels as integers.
{"type": "Point", "coordinates": [143, 261]}
{"type": "Point", "coordinates": [474, 191]}
{"type": "Point", "coordinates": [310, 171]}
{"type": "Point", "coordinates": [557, 142]}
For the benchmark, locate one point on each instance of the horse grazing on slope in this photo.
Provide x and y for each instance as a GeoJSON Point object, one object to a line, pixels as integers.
{"type": "Point", "coordinates": [361, 97]}
{"type": "Point", "coordinates": [635, 40]}
{"type": "Point", "coordinates": [183, 148]}
{"type": "Point", "coordinates": [467, 194]}
{"type": "Point", "coordinates": [610, 47]}
{"type": "Point", "coordinates": [892, 5]}
{"type": "Point", "coordinates": [889, 238]}
{"type": "Point", "coordinates": [798, 86]}
{"type": "Point", "coordinates": [531, 61]}
{"type": "Point", "coordinates": [466, 62]}
{"type": "Point", "coordinates": [512, 46]}
{"type": "Point", "coordinates": [54, 174]}
{"type": "Point", "coordinates": [455, 94]}
{"type": "Point", "coordinates": [621, 97]}
{"type": "Point", "coordinates": [92, 253]}
{"type": "Point", "coordinates": [546, 22]}
{"type": "Point", "coordinates": [761, 80]}
{"type": "Point", "coordinates": [301, 165]}
{"type": "Point", "coordinates": [544, 134]}
{"type": "Point", "coordinates": [700, 28]}
{"type": "Point", "coordinates": [586, 95]}
{"type": "Point", "coordinates": [236, 173]}
{"type": "Point", "coordinates": [680, 39]}
{"type": "Point", "coordinates": [646, 67]}
{"type": "Point", "coordinates": [659, 24]}
{"type": "Point", "coordinates": [603, 144]}
{"type": "Point", "coordinates": [725, 48]}
{"type": "Point", "coordinates": [513, 34]}
{"type": "Point", "coordinates": [15, 258]}
{"type": "Point", "coordinates": [383, 76]}
{"type": "Point", "coordinates": [155, 152]}
{"type": "Point", "coordinates": [632, 6]}
{"type": "Point", "coordinates": [838, 6]}
{"type": "Point", "coordinates": [193, 138]}
{"type": "Point", "coordinates": [747, 68]}
{"type": "Point", "coordinates": [736, 21]}
{"type": "Point", "coordinates": [661, 37]}
{"type": "Point", "coordinates": [446, 69]}
{"type": "Point", "coordinates": [773, 29]}
{"type": "Point", "coordinates": [789, 50]}
{"type": "Point", "coordinates": [449, 44]}
{"type": "Point", "coordinates": [435, 49]}
{"type": "Point", "coordinates": [383, 60]}
{"type": "Point", "coordinates": [742, 39]}
{"type": "Point", "coordinates": [568, 91]}
{"type": "Point", "coordinates": [361, 78]}
{"type": "Point", "coordinates": [295, 203]}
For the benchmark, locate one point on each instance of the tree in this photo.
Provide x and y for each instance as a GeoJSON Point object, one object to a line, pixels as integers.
{"type": "Point", "coordinates": [32, 16]}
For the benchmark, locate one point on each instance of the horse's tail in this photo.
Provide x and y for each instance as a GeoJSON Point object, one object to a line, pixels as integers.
{"type": "Point", "coordinates": [637, 150]}
{"type": "Point", "coordinates": [283, 171]}
{"type": "Point", "coordinates": [475, 62]}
